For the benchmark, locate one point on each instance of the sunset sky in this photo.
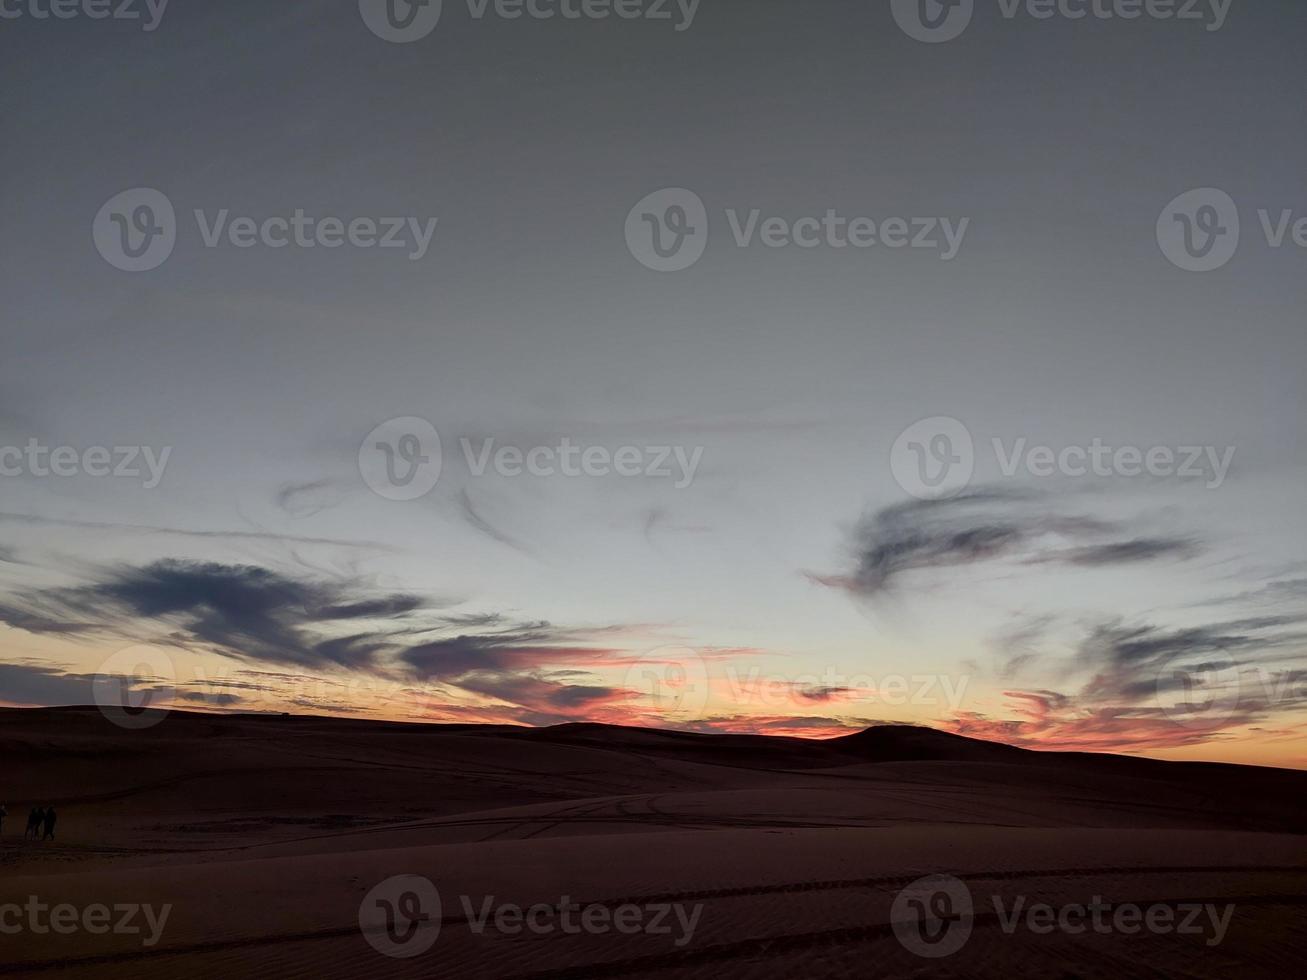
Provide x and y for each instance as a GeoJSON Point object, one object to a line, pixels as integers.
{"type": "Point", "coordinates": [763, 566]}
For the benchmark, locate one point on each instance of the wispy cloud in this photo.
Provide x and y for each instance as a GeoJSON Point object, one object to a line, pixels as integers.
{"type": "Point", "coordinates": [473, 516]}
{"type": "Point", "coordinates": [36, 520]}
{"type": "Point", "coordinates": [264, 617]}
{"type": "Point", "coordinates": [41, 684]}
{"type": "Point", "coordinates": [243, 611]}
{"type": "Point", "coordinates": [1148, 686]}
{"type": "Point", "coordinates": [983, 526]}
{"type": "Point", "coordinates": [308, 498]}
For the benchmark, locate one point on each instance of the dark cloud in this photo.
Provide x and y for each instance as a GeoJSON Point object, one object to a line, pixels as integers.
{"type": "Point", "coordinates": [206, 697]}
{"type": "Point", "coordinates": [38, 617]}
{"type": "Point", "coordinates": [32, 684]}
{"type": "Point", "coordinates": [516, 647]}
{"type": "Point", "coordinates": [382, 608]}
{"type": "Point", "coordinates": [1126, 552]}
{"type": "Point", "coordinates": [258, 615]}
{"type": "Point", "coordinates": [807, 726]}
{"type": "Point", "coordinates": [982, 526]}
{"type": "Point", "coordinates": [361, 651]}
{"type": "Point", "coordinates": [1129, 661]}
{"type": "Point", "coordinates": [1150, 686]}
{"type": "Point", "coordinates": [542, 693]}
{"type": "Point", "coordinates": [821, 694]}
{"type": "Point", "coordinates": [42, 685]}
{"type": "Point", "coordinates": [525, 672]}
{"type": "Point", "coordinates": [473, 620]}
{"type": "Point", "coordinates": [241, 610]}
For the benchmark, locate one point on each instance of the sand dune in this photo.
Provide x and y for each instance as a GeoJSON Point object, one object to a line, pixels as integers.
{"type": "Point", "coordinates": [764, 857]}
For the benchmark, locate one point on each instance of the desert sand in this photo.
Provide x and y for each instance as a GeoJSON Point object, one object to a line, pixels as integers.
{"type": "Point", "coordinates": [678, 855]}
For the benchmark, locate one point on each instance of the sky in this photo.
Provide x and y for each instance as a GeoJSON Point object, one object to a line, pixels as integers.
{"type": "Point", "coordinates": [771, 366]}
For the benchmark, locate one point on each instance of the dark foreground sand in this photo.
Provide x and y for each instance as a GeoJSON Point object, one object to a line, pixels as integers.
{"type": "Point", "coordinates": [594, 852]}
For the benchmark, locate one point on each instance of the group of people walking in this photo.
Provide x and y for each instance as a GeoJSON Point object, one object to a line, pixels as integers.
{"type": "Point", "coordinates": [40, 822]}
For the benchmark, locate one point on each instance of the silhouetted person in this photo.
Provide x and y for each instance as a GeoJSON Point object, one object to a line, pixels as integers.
{"type": "Point", "coordinates": [34, 823]}
{"type": "Point", "coordinates": [49, 820]}
{"type": "Point", "coordinates": [3, 813]}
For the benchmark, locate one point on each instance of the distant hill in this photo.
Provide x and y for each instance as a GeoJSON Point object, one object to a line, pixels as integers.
{"type": "Point", "coordinates": [910, 743]}
{"type": "Point", "coordinates": [877, 744]}
{"type": "Point", "coordinates": [369, 770]}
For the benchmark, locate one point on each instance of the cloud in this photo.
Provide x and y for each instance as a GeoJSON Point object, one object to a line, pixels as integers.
{"type": "Point", "coordinates": [35, 520]}
{"type": "Point", "coordinates": [1284, 591]}
{"type": "Point", "coordinates": [1128, 660]}
{"type": "Point", "coordinates": [515, 647]}
{"type": "Point", "coordinates": [39, 684]}
{"type": "Point", "coordinates": [658, 519]}
{"type": "Point", "coordinates": [261, 616]}
{"type": "Point", "coordinates": [240, 610]}
{"type": "Point", "coordinates": [824, 694]}
{"type": "Point", "coordinates": [35, 616]}
{"type": "Point", "coordinates": [1019, 645]}
{"type": "Point", "coordinates": [43, 685]}
{"type": "Point", "coordinates": [205, 697]}
{"type": "Point", "coordinates": [302, 500]}
{"type": "Point", "coordinates": [983, 526]}
{"type": "Point", "coordinates": [385, 607]}
{"type": "Point", "coordinates": [474, 518]}
{"type": "Point", "coordinates": [1147, 686]}
{"type": "Point", "coordinates": [473, 620]}
{"type": "Point", "coordinates": [797, 726]}
{"type": "Point", "coordinates": [1126, 552]}
{"type": "Point", "coordinates": [543, 700]}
